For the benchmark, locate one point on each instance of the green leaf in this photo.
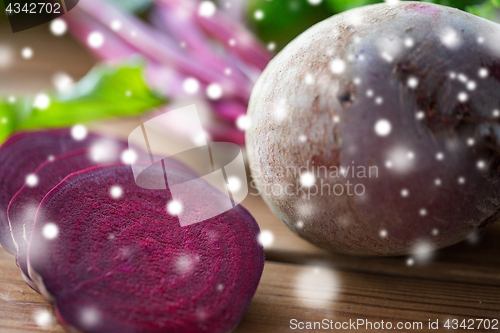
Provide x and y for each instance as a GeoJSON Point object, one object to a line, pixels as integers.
{"type": "Point", "coordinates": [104, 92]}
{"type": "Point", "coordinates": [284, 19]}
{"type": "Point", "coordinates": [342, 5]}
{"type": "Point", "coordinates": [488, 10]}
{"type": "Point", "coordinates": [133, 6]}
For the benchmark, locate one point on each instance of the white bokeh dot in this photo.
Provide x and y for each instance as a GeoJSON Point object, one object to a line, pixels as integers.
{"type": "Point", "coordinates": [462, 78]}
{"type": "Point", "coordinates": [309, 79]}
{"type": "Point", "coordinates": [463, 97]}
{"type": "Point", "coordinates": [437, 182]}
{"type": "Point", "coordinates": [27, 53]}
{"type": "Point", "coordinates": [439, 156]}
{"type": "Point", "coordinates": [412, 82]}
{"type": "Point", "coordinates": [461, 180]}
{"type": "Point", "coordinates": [315, 2]}
{"type": "Point", "coordinates": [383, 127]}
{"type": "Point", "coordinates": [405, 193]}
{"type": "Point", "coordinates": [32, 180]}
{"type": "Point", "coordinates": [243, 123]}
{"type": "Point", "coordinates": [258, 14]}
{"type": "Point", "coordinates": [62, 82]}
{"type": "Point", "coordinates": [481, 165]}
{"type": "Point", "coordinates": [95, 39]}
{"type": "Point", "coordinates": [496, 113]}
{"type": "Point", "coordinates": [207, 9]}
{"type": "Point", "coordinates": [129, 156]}
{"type": "Point", "coordinates": [174, 207]}
{"type": "Point", "coordinates": [450, 38]}
{"type": "Point", "coordinates": [379, 100]}
{"type": "Point", "coordinates": [79, 132]}
{"type": "Point", "coordinates": [266, 238]}
{"type": "Point", "coordinates": [116, 25]}
{"type": "Point", "coordinates": [471, 85]}
{"type": "Point", "coordinates": [6, 55]}
{"type": "Point", "coordinates": [50, 231]}
{"type": "Point", "coordinates": [233, 184]}
{"type": "Point", "coordinates": [423, 212]}
{"type": "Point", "coordinates": [58, 27]}
{"type": "Point", "coordinates": [483, 73]}
{"type": "Point", "coordinates": [191, 85]}
{"type": "Point", "coordinates": [116, 192]}
{"type": "Point", "coordinates": [42, 101]}
{"type": "Point", "coordinates": [409, 42]}
{"type": "Point", "coordinates": [307, 179]}
{"type": "Point", "coordinates": [44, 319]}
{"type": "Point", "coordinates": [470, 142]}
{"type": "Point", "coordinates": [337, 66]}
{"type": "Point", "coordinates": [383, 233]}
{"type": "Point", "coordinates": [420, 115]}
{"type": "Point", "coordinates": [214, 91]}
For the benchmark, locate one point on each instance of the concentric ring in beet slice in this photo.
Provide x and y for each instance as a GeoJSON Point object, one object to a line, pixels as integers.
{"type": "Point", "coordinates": [112, 259]}
{"type": "Point", "coordinates": [23, 206]}
{"type": "Point", "coordinates": [20, 155]}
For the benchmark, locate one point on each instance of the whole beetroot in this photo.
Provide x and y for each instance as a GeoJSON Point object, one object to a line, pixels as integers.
{"type": "Point", "coordinates": [376, 131]}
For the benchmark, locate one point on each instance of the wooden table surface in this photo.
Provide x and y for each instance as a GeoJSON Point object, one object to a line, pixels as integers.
{"type": "Point", "coordinates": [299, 281]}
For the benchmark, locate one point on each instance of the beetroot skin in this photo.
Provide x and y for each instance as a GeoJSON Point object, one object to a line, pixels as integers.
{"type": "Point", "coordinates": [23, 206]}
{"type": "Point", "coordinates": [376, 132]}
{"type": "Point", "coordinates": [111, 258]}
{"type": "Point", "coordinates": [21, 154]}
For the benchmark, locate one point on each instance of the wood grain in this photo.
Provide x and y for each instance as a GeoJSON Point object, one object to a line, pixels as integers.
{"type": "Point", "coordinates": [305, 293]}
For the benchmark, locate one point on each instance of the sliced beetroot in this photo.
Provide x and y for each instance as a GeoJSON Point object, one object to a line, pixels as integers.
{"type": "Point", "coordinates": [23, 206]}
{"type": "Point", "coordinates": [21, 155]}
{"type": "Point", "coordinates": [112, 259]}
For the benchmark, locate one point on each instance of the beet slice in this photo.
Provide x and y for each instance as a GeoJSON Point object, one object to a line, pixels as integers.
{"type": "Point", "coordinates": [23, 206]}
{"type": "Point", "coordinates": [21, 155]}
{"type": "Point", "coordinates": [123, 264]}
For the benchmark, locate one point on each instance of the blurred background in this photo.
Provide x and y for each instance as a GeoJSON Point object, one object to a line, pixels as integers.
{"type": "Point", "coordinates": [151, 55]}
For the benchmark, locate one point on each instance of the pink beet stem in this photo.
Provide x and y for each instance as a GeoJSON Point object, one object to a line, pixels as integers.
{"type": "Point", "coordinates": [114, 49]}
{"type": "Point", "coordinates": [159, 47]}
{"type": "Point", "coordinates": [181, 25]}
{"type": "Point", "coordinates": [246, 46]}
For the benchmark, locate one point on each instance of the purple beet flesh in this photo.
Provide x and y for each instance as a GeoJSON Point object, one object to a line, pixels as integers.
{"type": "Point", "coordinates": [20, 156]}
{"type": "Point", "coordinates": [23, 206]}
{"type": "Point", "coordinates": [112, 259]}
